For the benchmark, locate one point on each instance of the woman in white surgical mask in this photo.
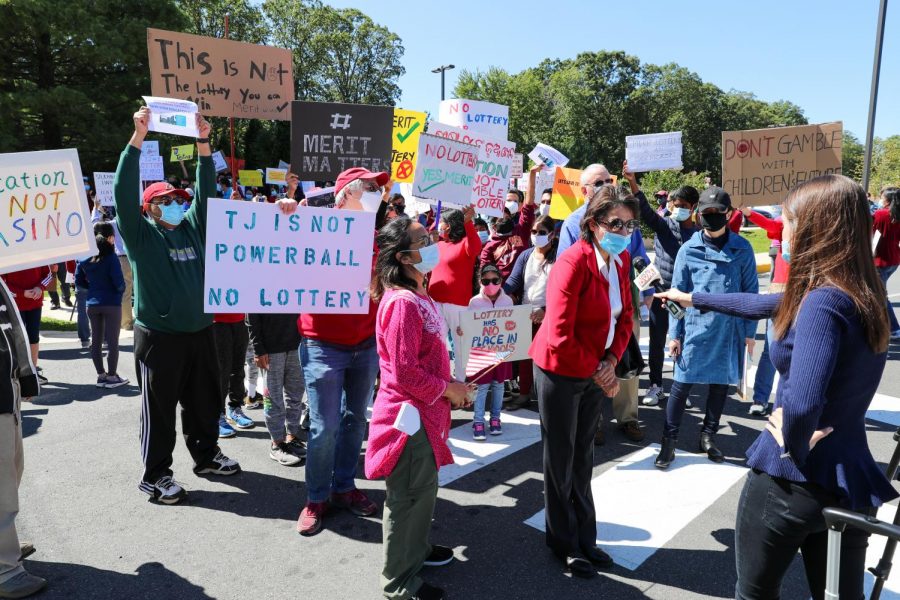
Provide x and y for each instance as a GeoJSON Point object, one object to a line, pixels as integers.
{"type": "Point", "coordinates": [544, 206]}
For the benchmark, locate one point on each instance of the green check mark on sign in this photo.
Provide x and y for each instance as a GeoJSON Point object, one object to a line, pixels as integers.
{"type": "Point", "coordinates": [405, 136]}
{"type": "Point", "coordinates": [423, 190]}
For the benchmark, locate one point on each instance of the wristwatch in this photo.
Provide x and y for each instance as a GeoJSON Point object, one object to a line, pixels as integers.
{"type": "Point", "coordinates": [202, 140]}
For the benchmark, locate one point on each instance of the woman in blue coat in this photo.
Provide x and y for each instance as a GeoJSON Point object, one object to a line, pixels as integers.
{"type": "Point", "coordinates": [708, 347]}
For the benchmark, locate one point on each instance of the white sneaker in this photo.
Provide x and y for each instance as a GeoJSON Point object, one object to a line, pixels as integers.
{"type": "Point", "coordinates": [654, 396]}
{"type": "Point", "coordinates": [165, 490]}
{"type": "Point", "coordinates": [283, 456]}
{"type": "Point", "coordinates": [220, 465]}
{"type": "Point", "coordinates": [758, 410]}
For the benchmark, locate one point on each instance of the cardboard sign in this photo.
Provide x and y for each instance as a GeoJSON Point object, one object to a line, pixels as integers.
{"type": "Point", "coordinates": [219, 161]}
{"type": "Point", "coordinates": [44, 218]}
{"type": "Point", "coordinates": [566, 192]}
{"type": "Point", "coordinates": [493, 170]}
{"type": "Point", "coordinates": [322, 198]}
{"type": "Point", "coordinates": [518, 166]}
{"type": "Point", "coordinates": [330, 137]}
{"type": "Point", "coordinates": [185, 152]}
{"type": "Point", "coordinates": [169, 115]}
{"type": "Point", "coordinates": [224, 78]}
{"type": "Point", "coordinates": [251, 178]}
{"type": "Point", "coordinates": [654, 152]}
{"type": "Point", "coordinates": [445, 170]}
{"type": "Point", "coordinates": [761, 166]}
{"type": "Point", "coordinates": [276, 176]}
{"type": "Point", "coordinates": [549, 156]}
{"type": "Point", "coordinates": [152, 168]}
{"type": "Point", "coordinates": [408, 126]}
{"type": "Point", "coordinates": [476, 116]}
{"type": "Point", "coordinates": [103, 185]}
{"type": "Point", "coordinates": [258, 260]}
{"type": "Point", "coordinates": [497, 330]}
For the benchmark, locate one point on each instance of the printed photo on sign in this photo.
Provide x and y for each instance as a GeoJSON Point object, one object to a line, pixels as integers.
{"type": "Point", "coordinates": [330, 137]}
{"type": "Point", "coordinates": [224, 78]}
{"type": "Point", "coordinates": [44, 218]}
{"type": "Point", "coordinates": [445, 170]}
{"type": "Point", "coordinates": [179, 153]}
{"type": "Point", "coordinates": [653, 152]}
{"type": "Point", "coordinates": [314, 261]}
{"type": "Point", "coordinates": [548, 156]}
{"type": "Point", "coordinates": [103, 187]}
{"type": "Point", "coordinates": [475, 115]}
{"type": "Point", "coordinates": [170, 115]}
{"type": "Point", "coordinates": [321, 198]}
{"type": "Point", "coordinates": [408, 126]}
{"type": "Point", "coordinates": [494, 336]}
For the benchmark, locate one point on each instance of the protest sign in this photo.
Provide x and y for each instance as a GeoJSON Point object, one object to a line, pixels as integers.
{"type": "Point", "coordinates": [549, 156]}
{"type": "Point", "coordinates": [476, 116]}
{"type": "Point", "coordinates": [251, 177]}
{"type": "Point", "coordinates": [152, 168]}
{"type": "Point", "coordinates": [150, 148]}
{"type": "Point", "coordinates": [276, 176]}
{"type": "Point", "coordinates": [653, 152]}
{"type": "Point", "coordinates": [314, 261]}
{"type": "Point", "coordinates": [518, 166]}
{"type": "Point", "coordinates": [543, 180]}
{"type": "Point", "coordinates": [492, 171]}
{"type": "Point", "coordinates": [44, 217]}
{"type": "Point", "coordinates": [566, 192]}
{"type": "Point", "coordinates": [224, 78]}
{"type": "Point", "coordinates": [322, 197]}
{"type": "Point", "coordinates": [329, 137]}
{"type": "Point", "coordinates": [408, 126]}
{"type": "Point", "coordinates": [505, 331]}
{"type": "Point", "coordinates": [760, 166]}
{"type": "Point", "coordinates": [219, 161]}
{"type": "Point", "coordinates": [185, 152]}
{"type": "Point", "coordinates": [284, 165]}
{"type": "Point", "coordinates": [103, 185]}
{"type": "Point", "coordinates": [170, 115]}
{"type": "Point", "coordinates": [445, 170]}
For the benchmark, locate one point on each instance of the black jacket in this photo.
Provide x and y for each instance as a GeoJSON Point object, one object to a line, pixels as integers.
{"type": "Point", "coordinates": [273, 334]}
{"type": "Point", "coordinates": [9, 374]}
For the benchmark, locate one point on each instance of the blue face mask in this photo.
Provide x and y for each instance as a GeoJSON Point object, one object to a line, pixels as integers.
{"type": "Point", "coordinates": [614, 243]}
{"type": "Point", "coordinates": [786, 251]}
{"type": "Point", "coordinates": [430, 259]}
{"type": "Point", "coordinates": [681, 214]}
{"type": "Point", "coordinates": [485, 236]}
{"type": "Point", "coordinates": [172, 214]}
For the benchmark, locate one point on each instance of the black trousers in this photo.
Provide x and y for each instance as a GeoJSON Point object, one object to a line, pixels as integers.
{"type": "Point", "coordinates": [775, 518]}
{"type": "Point", "coordinates": [172, 369]}
{"type": "Point", "coordinates": [678, 395]}
{"type": "Point", "coordinates": [659, 329]}
{"type": "Point", "coordinates": [570, 412]}
{"type": "Point", "coordinates": [231, 349]}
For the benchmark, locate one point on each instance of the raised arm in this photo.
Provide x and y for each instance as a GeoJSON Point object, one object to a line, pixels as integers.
{"type": "Point", "coordinates": [127, 185]}
{"type": "Point", "coordinates": [772, 227]}
{"type": "Point", "coordinates": [206, 179]}
{"type": "Point", "coordinates": [472, 241]}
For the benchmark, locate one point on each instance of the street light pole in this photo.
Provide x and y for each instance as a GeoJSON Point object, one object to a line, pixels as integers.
{"type": "Point", "coordinates": [873, 95]}
{"type": "Point", "coordinates": [441, 70]}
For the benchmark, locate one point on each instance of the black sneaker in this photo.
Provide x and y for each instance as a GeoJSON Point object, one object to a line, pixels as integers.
{"type": "Point", "coordinates": [40, 375]}
{"type": "Point", "coordinates": [164, 491]}
{"type": "Point", "coordinates": [220, 465]}
{"type": "Point", "coordinates": [428, 592]}
{"type": "Point", "coordinates": [297, 448]}
{"type": "Point", "coordinates": [440, 556]}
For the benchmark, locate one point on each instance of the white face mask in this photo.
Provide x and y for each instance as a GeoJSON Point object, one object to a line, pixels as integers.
{"type": "Point", "coordinates": [370, 201]}
{"type": "Point", "coordinates": [544, 210]}
{"type": "Point", "coordinates": [539, 241]}
{"type": "Point", "coordinates": [512, 207]}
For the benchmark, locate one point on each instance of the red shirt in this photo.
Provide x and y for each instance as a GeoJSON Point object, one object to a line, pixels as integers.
{"type": "Point", "coordinates": [774, 229]}
{"type": "Point", "coordinates": [887, 252]}
{"type": "Point", "coordinates": [228, 318]}
{"type": "Point", "coordinates": [20, 281]}
{"type": "Point", "coordinates": [572, 338]}
{"type": "Point", "coordinates": [451, 279]}
{"type": "Point", "coordinates": [736, 220]}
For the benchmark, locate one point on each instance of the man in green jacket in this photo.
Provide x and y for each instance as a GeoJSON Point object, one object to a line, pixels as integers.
{"type": "Point", "coordinates": [174, 346]}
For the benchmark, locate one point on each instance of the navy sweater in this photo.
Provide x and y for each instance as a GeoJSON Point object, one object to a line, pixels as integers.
{"type": "Point", "coordinates": [829, 375]}
{"type": "Point", "coordinates": [102, 279]}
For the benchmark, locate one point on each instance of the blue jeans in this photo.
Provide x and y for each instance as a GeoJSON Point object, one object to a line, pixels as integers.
{"type": "Point", "coordinates": [885, 273]}
{"type": "Point", "coordinates": [84, 323]}
{"type": "Point", "coordinates": [339, 385]}
{"type": "Point", "coordinates": [765, 372]}
{"type": "Point", "coordinates": [495, 389]}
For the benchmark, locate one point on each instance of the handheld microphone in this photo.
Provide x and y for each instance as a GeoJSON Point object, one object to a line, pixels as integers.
{"type": "Point", "coordinates": [648, 276]}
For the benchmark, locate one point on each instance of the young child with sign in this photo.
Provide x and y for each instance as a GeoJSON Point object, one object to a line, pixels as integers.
{"type": "Point", "coordinates": [491, 383]}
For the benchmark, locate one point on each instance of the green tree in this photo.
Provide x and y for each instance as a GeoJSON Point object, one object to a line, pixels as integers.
{"type": "Point", "coordinates": [885, 163]}
{"type": "Point", "coordinates": [246, 23]}
{"type": "Point", "coordinates": [851, 157]}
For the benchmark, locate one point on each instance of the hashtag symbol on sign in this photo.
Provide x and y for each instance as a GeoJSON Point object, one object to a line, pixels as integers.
{"type": "Point", "coordinates": [339, 121]}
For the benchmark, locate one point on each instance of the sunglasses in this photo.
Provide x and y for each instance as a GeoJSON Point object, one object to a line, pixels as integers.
{"type": "Point", "coordinates": [540, 232]}
{"type": "Point", "coordinates": [619, 225]}
{"type": "Point", "coordinates": [600, 182]}
{"type": "Point", "coordinates": [167, 200]}
{"type": "Point", "coordinates": [490, 281]}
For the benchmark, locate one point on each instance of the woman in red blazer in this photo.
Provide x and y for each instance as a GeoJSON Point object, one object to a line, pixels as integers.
{"type": "Point", "coordinates": [585, 331]}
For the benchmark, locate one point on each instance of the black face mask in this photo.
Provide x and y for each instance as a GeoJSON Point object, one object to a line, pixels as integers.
{"type": "Point", "coordinates": [504, 226]}
{"type": "Point", "coordinates": [714, 221]}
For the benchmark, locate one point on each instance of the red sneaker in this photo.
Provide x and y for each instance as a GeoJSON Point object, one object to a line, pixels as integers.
{"type": "Point", "coordinates": [356, 502]}
{"type": "Point", "coordinates": [310, 521]}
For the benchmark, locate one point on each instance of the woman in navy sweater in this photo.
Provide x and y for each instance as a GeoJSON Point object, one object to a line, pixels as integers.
{"type": "Point", "coordinates": [830, 347]}
{"type": "Point", "coordinates": [103, 278]}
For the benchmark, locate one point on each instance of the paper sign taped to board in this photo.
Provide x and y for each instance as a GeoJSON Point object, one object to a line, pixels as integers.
{"type": "Point", "coordinates": [408, 126]}
{"type": "Point", "coordinates": [219, 161]}
{"type": "Point", "coordinates": [223, 77]}
{"type": "Point", "coordinates": [654, 152]}
{"type": "Point", "coordinates": [103, 185]}
{"type": "Point", "coordinates": [171, 115]}
{"type": "Point", "coordinates": [179, 153]}
{"type": "Point", "coordinates": [330, 137]}
{"type": "Point", "coordinates": [548, 156]}
{"type": "Point", "coordinates": [250, 177]}
{"type": "Point", "coordinates": [445, 170]}
{"type": "Point", "coordinates": [314, 261]}
{"type": "Point", "coordinates": [492, 171]}
{"type": "Point", "coordinates": [44, 216]}
{"type": "Point", "coordinates": [761, 166]}
{"type": "Point", "coordinates": [495, 335]}
{"type": "Point", "coordinates": [476, 116]}
{"type": "Point", "coordinates": [276, 176]}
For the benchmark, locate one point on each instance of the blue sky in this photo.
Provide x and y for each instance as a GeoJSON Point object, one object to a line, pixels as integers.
{"type": "Point", "coordinates": [815, 53]}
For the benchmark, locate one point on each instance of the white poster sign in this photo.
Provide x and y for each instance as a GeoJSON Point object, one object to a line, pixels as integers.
{"type": "Point", "coordinates": [445, 170]}
{"type": "Point", "coordinates": [492, 334]}
{"type": "Point", "coordinates": [152, 168]}
{"type": "Point", "coordinates": [103, 184]}
{"type": "Point", "coordinates": [653, 152]}
{"type": "Point", "coordinates": [170, 115]}
{"type": "Point", "coordinates": [219, 161]}
{"type": "Point", "coordinates": [549, 156]}
{"type": "Point", "coordinates": [474, 115]}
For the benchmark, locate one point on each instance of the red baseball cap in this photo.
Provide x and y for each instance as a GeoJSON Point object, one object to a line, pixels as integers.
{"type": "Point", "coordinates": [349, 175]}
{"type": "Point", "coordinates": [163, 188]}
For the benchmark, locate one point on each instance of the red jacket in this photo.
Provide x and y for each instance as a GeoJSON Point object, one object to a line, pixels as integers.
{"type": "Point", "coordinates": [451, 279]}
{"type": "Point", "coordinates": [887, 252]}
{"type": "Point", "coordinates": [774, 229]}
{"type": "Point", "coordinates": [18, 282]}
{"type": "Point", "coordinates": [503, 251]}
{"type": "Point", "coordinates": [572, 338]}
{"type": "Point", "coordinates": [736, 220]}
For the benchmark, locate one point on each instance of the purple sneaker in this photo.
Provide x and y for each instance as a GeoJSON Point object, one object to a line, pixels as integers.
{"type": "Point", "coordinates": [478, 432]}
{"type": "Point", "coordinates": [495, 427]}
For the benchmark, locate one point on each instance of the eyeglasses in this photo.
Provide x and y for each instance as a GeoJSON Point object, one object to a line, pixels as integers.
{"type": "Point", "coordinates": [167, 200]}
{"type": "Point", "coordinates": [600, 182]}
{"type": "Point", "coordinates": [540, 232]}
{"type": "Point", "coordinates": [619, 224]}
{"type": "Point", "coordinates": [490, 281]}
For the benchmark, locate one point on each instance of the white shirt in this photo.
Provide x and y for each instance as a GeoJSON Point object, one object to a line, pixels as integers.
{"type": "Point", "coordinates": [537, 272]}
{"type": "Point", "coordinates": [615, 292]}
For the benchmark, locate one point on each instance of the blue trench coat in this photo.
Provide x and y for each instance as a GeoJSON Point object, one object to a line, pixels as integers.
{"type": "Point", "coordinates": [712, 344]}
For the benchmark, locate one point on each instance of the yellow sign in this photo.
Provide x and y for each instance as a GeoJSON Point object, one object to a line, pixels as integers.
{"type": "Point", "coordinates": [276, 176]}
{"type": "Point", "coordinates": [408, 125]}
{"type": "Point", "coordinates": [185, 152]}
{"type": "Point", "coordinates": [251, 178]}
{"type": "Point", "coordinates": [567, 197]}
